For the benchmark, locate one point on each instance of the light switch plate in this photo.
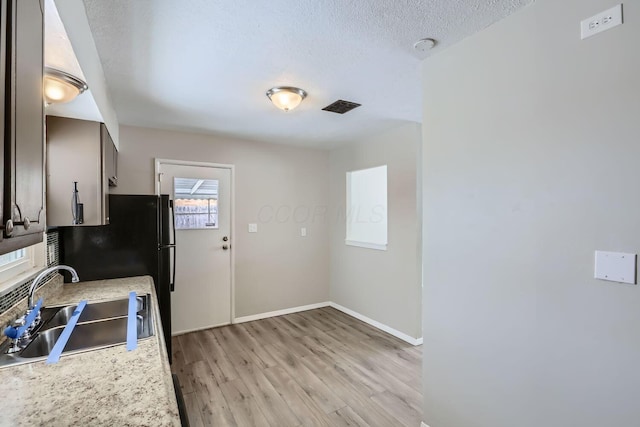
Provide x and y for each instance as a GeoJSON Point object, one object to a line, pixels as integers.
{"type": "Point", "coordinates": [616, 267]}
{"type": "Point", "coordinates": [601, 22]}
{"type": "Point", "coordinates": [303, 231]}
{"type": "Point", "coordinates": [253, 228]}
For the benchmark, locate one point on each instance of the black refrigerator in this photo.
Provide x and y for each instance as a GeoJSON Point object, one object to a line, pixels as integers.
{"type": "Point", "coordinates": [139, 240]}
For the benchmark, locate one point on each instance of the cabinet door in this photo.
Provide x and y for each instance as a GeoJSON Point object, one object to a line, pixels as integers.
{"type": "Point", "coordinates": [3, 64]}
{"type": "Point", "coordinates": [27, 119]}
{"type": "Point", "coordinates": [113, 181]}
{"type": "Point", "coordinates": [110, 156]}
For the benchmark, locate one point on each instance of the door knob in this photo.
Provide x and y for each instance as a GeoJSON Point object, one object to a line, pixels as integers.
{"type": "Point", "coordinates": [225, 247]}
{"type": "Point", "coordinates": [225, 238]}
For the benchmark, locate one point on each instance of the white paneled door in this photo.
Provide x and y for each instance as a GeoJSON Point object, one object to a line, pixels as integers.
{"type": "Point", "coordinates": [202, 201]}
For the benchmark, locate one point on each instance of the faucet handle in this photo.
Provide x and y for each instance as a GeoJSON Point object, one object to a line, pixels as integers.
{"type": "Point", "coordinates": [20, 321]}
{"type": "Point", "coordinates": [11, 332]}
{"type": "Point", "coordinates": [19, 340]}
{"type": "Point", "coordinates": [15, 329]}
{"type": "Point", "coordinates": [29, 320]}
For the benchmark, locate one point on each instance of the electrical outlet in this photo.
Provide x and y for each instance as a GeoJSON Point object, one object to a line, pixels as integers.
{"type": "Point", "coordinates": [253, 228]}
{"type": "Point", "coordinates": [50, 254]}
{"type": "Point", "coordinates": [601, 22]}
{"type": "Point", "coordinates": [303, 231]}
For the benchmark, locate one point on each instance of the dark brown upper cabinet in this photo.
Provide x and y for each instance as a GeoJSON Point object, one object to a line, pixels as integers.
{"type": "Point", "coordinates": [21, 74]}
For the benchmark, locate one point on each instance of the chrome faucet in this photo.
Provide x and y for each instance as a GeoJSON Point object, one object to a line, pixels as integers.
{"type": "Point", "coordinates": [38, 279]}
{"type": "Point", "coordinates": [22, 337]}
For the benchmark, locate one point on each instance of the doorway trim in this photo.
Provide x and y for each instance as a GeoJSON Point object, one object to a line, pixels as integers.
{"type": "Point", "coordinates": [232, 168]}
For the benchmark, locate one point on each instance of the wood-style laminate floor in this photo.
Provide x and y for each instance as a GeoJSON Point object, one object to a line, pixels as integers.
{"type": "Point", "coordinates": [319, 367]}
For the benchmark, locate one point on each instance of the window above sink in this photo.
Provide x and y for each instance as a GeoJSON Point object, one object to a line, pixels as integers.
{"type": "Point", "coordinates": [18, 266]}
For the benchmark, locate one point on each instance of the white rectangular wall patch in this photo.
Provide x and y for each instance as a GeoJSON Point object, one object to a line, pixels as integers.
{"type": "Point", "coordinates": [616, 267]}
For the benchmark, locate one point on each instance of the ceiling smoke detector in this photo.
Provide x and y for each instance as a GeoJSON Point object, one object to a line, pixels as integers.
{"type": "Point", "coordinates": [341, 106]}
{"type": "Point", "coordinates": [424, 45]}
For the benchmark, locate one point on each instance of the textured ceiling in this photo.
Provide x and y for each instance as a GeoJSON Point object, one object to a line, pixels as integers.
{"type": "Point", "coordinates": [204, 65]}
{"type": "Point", "coordinates": [58, 53]}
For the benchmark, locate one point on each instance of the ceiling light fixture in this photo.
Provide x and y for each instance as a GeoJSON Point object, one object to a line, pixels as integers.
{"type": "Point", "coordinates": [61, 87]}
{"type": "Point", "coordinates": [285, 97]}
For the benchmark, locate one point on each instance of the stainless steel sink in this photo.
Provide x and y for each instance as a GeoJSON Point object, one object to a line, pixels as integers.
{"type": "Point", "coordinates": [100, 325]}
{"type": "Point", "coordinates": [85, 335]}
{"type": "Point", "coordinates": [97, 311]}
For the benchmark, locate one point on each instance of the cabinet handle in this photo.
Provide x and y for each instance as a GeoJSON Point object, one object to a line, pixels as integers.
{"type": "Point", "coordinates": [26, 222]}
{"type": "Point", "coordinates": [8, 228]}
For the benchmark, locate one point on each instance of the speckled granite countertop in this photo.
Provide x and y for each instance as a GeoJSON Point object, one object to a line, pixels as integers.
{"type": "Point", "coordinates": [108, 387]}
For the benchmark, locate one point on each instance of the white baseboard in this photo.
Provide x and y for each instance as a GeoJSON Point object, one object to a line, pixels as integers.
{"type": "Point", "coordinates": [204, 328]}
{"type": "Point", "coordinates": [422, 424]}
{"type": "Point", "coordinates": [376, 324]}
{"type": "Point", "coordinates": [280, 312]}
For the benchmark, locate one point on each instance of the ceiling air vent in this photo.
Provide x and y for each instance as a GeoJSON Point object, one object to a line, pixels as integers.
{"type": "Point", "coordinates": [341, 106]}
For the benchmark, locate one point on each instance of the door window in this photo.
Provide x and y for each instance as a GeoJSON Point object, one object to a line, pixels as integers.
{"type": "Point", "coordinates": [195, 203]}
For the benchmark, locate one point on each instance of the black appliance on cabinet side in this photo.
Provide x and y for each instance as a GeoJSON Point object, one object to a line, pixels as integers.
{"type": "Point", "coordinates": [137, 242]}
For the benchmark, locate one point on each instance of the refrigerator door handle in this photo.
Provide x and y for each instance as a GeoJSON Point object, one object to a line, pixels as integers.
{"type": "Point", "coordinates": [172, 285]}
{"type": "Point", "coordinates": [173, 245]}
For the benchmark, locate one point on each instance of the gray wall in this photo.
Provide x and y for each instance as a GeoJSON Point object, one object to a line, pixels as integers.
{"type": "Point", "coordinates": [531, 163]}
{"type": "Point", "coordinates": [382, 285]}
{"type": "Point", "coordinates": [74, 153]}
{"type": "Point", "coordinates": [281, 188]}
